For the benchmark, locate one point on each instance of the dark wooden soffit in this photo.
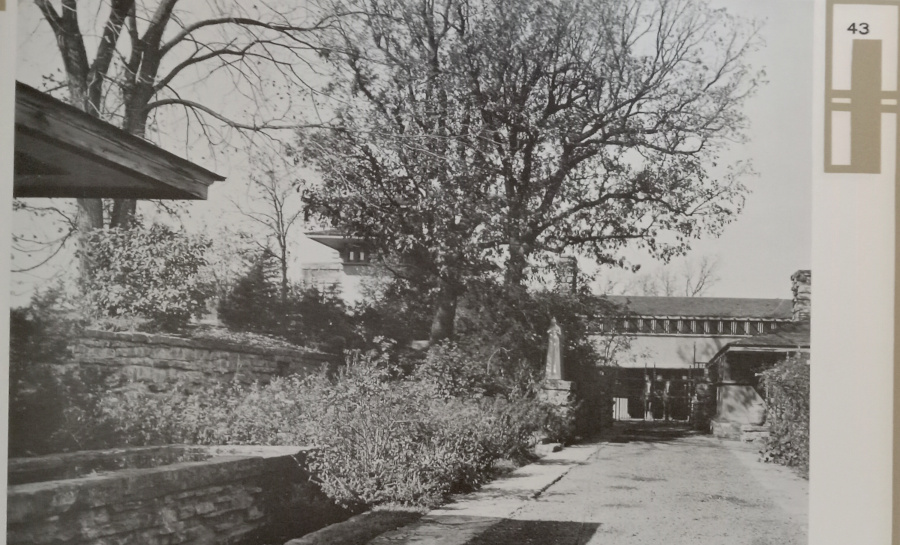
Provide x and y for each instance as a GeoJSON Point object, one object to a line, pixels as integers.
{"type": "Point", "coordinates": [333, 238]}
{"type": "Point", "coordinates": [61, 151]}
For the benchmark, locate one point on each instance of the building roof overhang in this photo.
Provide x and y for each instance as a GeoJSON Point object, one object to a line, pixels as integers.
{"type": "Point", "coordinates": [715, 308]}
{"type": "Point", "coordinates": [61, 151]}
{"type": "Point", "coordinates": [333, 238]}
{"type": "Point", "coordinates": [791, 337]}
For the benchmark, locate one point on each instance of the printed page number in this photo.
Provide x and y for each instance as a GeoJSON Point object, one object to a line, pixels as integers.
{"type": "Point", "coordinates": [862, 28]}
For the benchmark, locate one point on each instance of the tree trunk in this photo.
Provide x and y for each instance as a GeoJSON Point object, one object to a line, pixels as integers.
{"type": "Point", "coordinates": [516, 265]}
{"type": "Point", "coordinates": [90, 215]}
{"type": "Point", "coordinates": [88, 218]}
{"type": "Point", "coordinates": [442, 326]}
{"type": "Point", "coordinates": [90, 211]}
{"type": "Point", "coordinates": [123, 213]}
{"type": "Point", "coordinates": [284, 276]}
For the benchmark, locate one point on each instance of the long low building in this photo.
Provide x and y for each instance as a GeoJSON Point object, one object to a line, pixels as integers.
{"type": "Point", "coordinates": [660, 347]}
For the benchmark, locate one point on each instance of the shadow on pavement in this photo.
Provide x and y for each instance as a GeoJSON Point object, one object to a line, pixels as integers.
{"type": "Point", "coordinates": [537, 532]}
{"type": "Point", "coordinates": [360, 529]}
{"type": "Point", "coordinates": [650, 432]}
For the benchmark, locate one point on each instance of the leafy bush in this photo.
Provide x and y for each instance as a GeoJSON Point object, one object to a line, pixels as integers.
{"type": "Point", "coordinates": [52, 408]}
{"type": "Point", "coordinates": [508, 328]}
{"type": "Point", "coordinates": [394, 308]}
{"type": "Point", "coordinates": [787, 400]}
{"type": "Point", "coordinates": [220, 414]}
{"type": "Point", "coordinates": [151, 272]}
{"type": "Point", "coordinates": [322, 319]}
{"type": "Point", "coordinates": [451, 371]}
{"type": "Point", "coordinates": [501, 342]}
{"type": "Point", "coordinates": [303, 316]}
{"type": "Point", "coordinates": [394, 440]}
{"type": "Point", "coordinates": [380, 438]}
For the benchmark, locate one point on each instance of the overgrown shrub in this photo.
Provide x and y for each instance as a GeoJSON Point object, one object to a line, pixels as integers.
{"type": "Point", "coordinates": [219, 414]}
{"type": "Point", "coordinates": [153, 272]}
{"type": "Point", "coordinates": [321, 318]}
{"type": "Point", "coordinates": [385, 439]}
{"type": "Point", "coordinates": [380, 437]}
{"type": "Point", "coordinates": [508, 328]}
{"type": "Point", "coordinates": [396, 309]}
{"type": "Point", "coordinates": [452, 371]}
{"type": "Point", "coordinates": [501, 342]}
{"type": "Point", "coordinates": [787, 400]}
{"type": "Point", "coordinates": [52, 408]}
{"type": "Point", "coordinates": [303, 316]}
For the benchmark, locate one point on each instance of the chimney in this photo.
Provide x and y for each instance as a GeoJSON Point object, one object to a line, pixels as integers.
{"type": "Point", "coordinates": [567, 274]}
{"type": "Point", "coordinates": [801, 285]}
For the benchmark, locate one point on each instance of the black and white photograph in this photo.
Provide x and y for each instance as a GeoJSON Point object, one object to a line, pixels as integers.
{"type": "Point", "coordinates": [462, 272]}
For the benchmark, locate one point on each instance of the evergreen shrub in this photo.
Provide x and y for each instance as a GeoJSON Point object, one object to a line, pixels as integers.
{"type": "Point", "coordinates": [303, 316]}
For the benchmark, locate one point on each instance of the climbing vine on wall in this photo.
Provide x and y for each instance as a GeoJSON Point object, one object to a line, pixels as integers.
{"type": "Point", "coordinates": [787, 385]}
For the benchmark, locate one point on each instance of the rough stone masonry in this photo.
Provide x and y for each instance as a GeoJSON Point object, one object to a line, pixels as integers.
{"type": "Point", "coordinates": [158, 360]}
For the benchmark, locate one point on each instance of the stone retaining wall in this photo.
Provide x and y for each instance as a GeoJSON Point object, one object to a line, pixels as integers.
{"type": "Point", "coordinates": [240, 495]}
{"type": "Point", "coordinates": [163, 359]}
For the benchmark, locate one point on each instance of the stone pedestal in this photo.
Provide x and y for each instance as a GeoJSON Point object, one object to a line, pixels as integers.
{"type": "Point", "coordinates": [740, 403]}
{"type": "Point", "coordinates": [558, 392]}
{"type": "Point", "coordinates": [748, 433]}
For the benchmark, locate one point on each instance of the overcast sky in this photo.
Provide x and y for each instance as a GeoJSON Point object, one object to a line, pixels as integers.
{"type": "Point", "coordinates": [757, 253]}
{"type": "Point", "coordinates": [772, 237]}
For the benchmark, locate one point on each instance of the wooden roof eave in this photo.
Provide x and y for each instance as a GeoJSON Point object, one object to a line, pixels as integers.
{"type": "Point", "coordinates": [61, 151]}
{"type": "Point", "coordinates": [786, 347]}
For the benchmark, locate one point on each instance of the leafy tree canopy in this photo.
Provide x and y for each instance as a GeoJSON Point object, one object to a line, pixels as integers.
{"type": "Point", "coordinates": [481, 134]}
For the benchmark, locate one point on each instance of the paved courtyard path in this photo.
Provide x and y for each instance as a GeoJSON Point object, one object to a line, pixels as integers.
{"type": "Point", "coordinates": [649, 485]}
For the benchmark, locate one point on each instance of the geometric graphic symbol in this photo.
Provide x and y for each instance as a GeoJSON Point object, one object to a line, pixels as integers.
{"type": "Point", "coordinates": [862, 67]}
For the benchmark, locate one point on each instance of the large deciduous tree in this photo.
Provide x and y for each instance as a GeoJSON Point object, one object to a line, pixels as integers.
{"type": "Point", "coordinates": [125, 60]}
{"type": "Point", "coordinates": [492, 132]}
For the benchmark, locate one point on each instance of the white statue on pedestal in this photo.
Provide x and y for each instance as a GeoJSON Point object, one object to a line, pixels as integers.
{"type": "Point", "coordinates": [554, 369]}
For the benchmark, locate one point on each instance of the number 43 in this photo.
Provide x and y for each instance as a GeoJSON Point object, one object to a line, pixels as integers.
{"type": "Point", "coordinates": [863, 28]}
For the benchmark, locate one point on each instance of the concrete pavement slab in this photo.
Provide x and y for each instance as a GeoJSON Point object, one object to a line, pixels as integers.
{"type": "Point", "coordinates": [472, 514]}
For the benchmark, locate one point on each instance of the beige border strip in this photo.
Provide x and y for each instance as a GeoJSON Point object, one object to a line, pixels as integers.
{"type": "Point", "coordinates": [888, 104]}
{"type": "Point", "coordinates": [2, 5]}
